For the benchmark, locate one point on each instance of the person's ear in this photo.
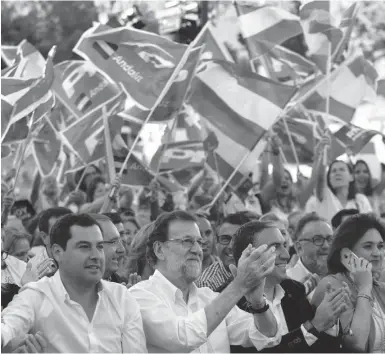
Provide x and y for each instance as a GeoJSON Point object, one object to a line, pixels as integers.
{"type": "Point", "coordinates": [159, 250]}
{"type": "Point", "coordinates": [44, 237]}
{"type": "Point", "coordinates": [57, 252]}
{"type": "Point", "coordinates": [298, 247]}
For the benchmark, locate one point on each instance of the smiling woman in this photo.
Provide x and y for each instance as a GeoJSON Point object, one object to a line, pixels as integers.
{"type": "Point", "coordinates": [17, 243]}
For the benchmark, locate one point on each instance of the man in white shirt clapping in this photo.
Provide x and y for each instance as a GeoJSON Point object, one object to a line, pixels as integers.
{"type": "Point", "coordinates": [75, 310]}
{"type": "Point", "coordinates": [179, 317]}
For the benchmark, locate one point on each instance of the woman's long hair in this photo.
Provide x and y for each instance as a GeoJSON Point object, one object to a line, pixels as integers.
{"type": "Point", "coordinates": [92, 187]}
{"type": "Point", "coordinates": [348, 234]}
{"type": "Point", "coordinates": [368, 191]}
{"type": "Point", "coordinates": [352, 186]}
{"type": "Point", "coordinates": [292, 199]}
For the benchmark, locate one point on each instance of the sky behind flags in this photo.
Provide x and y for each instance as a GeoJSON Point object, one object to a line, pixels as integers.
{"type": "Point", "coordinates": [141, 62]}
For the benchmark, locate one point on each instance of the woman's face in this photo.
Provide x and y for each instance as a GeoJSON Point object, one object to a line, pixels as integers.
{"type": "Point", "coordinates": [361, 176]}
{"type": "Point", "coordinates": [20, 249]}
{"type": "Point", "coordinates": [371, 247]}
{"type": "Point", "coordinates": [340, 175]}
{"type": "Point", "coordinates": [100, 191]}
{"type": "Point", "coordinates": [287, 184]}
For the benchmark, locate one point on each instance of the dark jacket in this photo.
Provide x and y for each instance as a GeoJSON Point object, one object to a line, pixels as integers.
{"type": "Point", "coordinates": [115, 278]}
{"type": "Point", "coordinates": [297, 310]}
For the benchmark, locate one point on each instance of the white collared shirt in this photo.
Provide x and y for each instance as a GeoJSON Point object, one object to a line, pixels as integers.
{"type": "Point", "coordinates": [277, 310]}
{"type": "Point", "coordinates": [45, 306]}
{"type": "Point", "coordinates": [171, 325]}
{"type": "Point", "coordinates": [299, 273]}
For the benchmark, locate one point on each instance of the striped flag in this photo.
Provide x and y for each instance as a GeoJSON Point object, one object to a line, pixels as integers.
{"type": "Point", "coordinates": [237, 110]}
{"type": "Point", "coordinates": [322, 35]}
{"type": "Point", "coordinates": [267, 25]}
{"type": "Point", "coordinates": [141, 62]}
{"type": "Point", "coordinates": [349, 87]}
{"type": "Point", "coordinates": [25, 95]}
{"type": "Point", "coordinates": [81, 88]}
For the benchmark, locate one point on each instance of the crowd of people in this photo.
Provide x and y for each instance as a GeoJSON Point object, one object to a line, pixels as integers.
{"type": "Point", "coordinates": [294, 267]}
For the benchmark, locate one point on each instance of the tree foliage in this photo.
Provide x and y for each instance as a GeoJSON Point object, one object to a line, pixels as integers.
{"type": "Point", "coordinates": [47, 23]}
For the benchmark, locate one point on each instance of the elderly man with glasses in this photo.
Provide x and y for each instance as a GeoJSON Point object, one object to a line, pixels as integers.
{"type": "Point", "coordinates": [180, 317]}
{"type": "Point", "coordinates": [312, 240]}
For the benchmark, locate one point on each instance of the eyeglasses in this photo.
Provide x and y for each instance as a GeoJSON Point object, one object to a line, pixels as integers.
{"type": "Point", "coordinates": [188, 243]}
{"type": "Point", "coordinates": [319, 240]}
{"type": "Point", "coordinates": [224, 239]}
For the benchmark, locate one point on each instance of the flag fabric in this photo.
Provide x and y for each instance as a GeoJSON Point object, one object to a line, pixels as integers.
{"type": "Point", "coordinates": [25, 95]}
{"type": "Point", "coordinates": [30, 61]}
{"type": "Point", "coordinates": [350, 85]}
{"type": "Point", "coordinates": [236, 111]}
{"type": "Point", "coordinates": [172, 102]}
{"type": "Point", "coordinates": [268, 25]}
{"type": "Point", "coordinates": [322, 35]}
{"type": "Point", "coordinates": [85, 136]}
{"type": "Point", "coordinates": [81, 88]}
{"type": "Point", "coordinates": [141, 62]}
{"type": "Point", "coordinates": [381, 87]}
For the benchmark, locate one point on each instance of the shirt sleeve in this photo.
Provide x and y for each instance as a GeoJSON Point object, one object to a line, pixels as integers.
{"type": "Point", "coordinates": [309, 338]}
{"type": "Point", "coordinates": [164, 329]}
{"type": "Point", "coordinates": [18, 318]}
{"type": "Point", "coordinates": [133, 338]}
{"type": "Point", "coordinates": [364, 204]}
{"type": "Point", "coordinates": [242, 331]}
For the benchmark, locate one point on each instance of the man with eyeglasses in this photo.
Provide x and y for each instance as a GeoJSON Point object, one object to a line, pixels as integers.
{"type": "Point", "coordinates": [113, 248]}
{"type": "Point", "coordinates": [217, 276]}
{"type": "Point", "coordinates": [180, 317]}
{"type": "Point", "coordinates": [312, 240]}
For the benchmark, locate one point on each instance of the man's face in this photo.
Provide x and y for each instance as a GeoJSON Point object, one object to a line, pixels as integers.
{"type": "Point", "coordinates": [83, 259]}
{"type": "Point", "coordinates": [314, 256]}
{"type": "Point", "coordinates": [224, 246]}
{"type": "Point", "coordinates": [181, 260]}
{"type": "Point", "coordinates": [273, 237]}
{"type": "Point", "coordinates": [207, 235]}
{"type": "Point", "coordinates": [144, 216]}
{"type": "Point", "coordinates": [113, 247]}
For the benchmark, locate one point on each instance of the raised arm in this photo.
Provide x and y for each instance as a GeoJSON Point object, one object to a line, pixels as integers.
{"type": "Point", "coordinates": [320, 176]}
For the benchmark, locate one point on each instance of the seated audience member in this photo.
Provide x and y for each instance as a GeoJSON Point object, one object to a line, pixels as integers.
{"type": "Point", "coordinates": [137, 262]}
{"type": "Point", "coordinates": [283, 226]}
{"type": "Point", "coordinates": [218, 275]}
{"type": "Point", "coordinates": [75, 310]}
{"type": "Point", "coordinates": [302, 326]}
{"type": "Point", "coordinates": [363, 322]}
{"type": "Point", "coordinates": [341, 216]}
{"type": "Point", "coordinates": [312, 240]}
{"type": "Point", "coordinates": [178, 316]}
{"type": "Point", "coordinates": [46, 221]}
{"type": "Point", "coordinates": [208, 237]}
{"type": "Point", "coordinates": [16, 243]}
{"type": "Point", "coordinates": [113, 247]}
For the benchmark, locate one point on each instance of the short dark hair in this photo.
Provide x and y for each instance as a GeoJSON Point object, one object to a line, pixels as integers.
{"type": "Point", "coordinates": [348, 234]}
{"type": "Point", "coordinates": [337, 219]}
{"type": "Point", "coordinates": [306, 219]}
{"type": "Point", "coordinates": [46, 215]}
{"type": "Point", "coordinates": [160, 230]}
{"type": "Point", "coordinates": [60, 231]}
{"type": "Point", "coordinates": [245, 236]}
{"type": "Point", "coordinates": [115, 217]}
{"type": "Point", "coordinates": [352, 186]}
{"type": "Point", "coordinates": [240, 218]}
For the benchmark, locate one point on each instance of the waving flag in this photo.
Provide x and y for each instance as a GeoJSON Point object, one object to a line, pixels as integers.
{"type": "Point", "coordinates": [350, 86]}
{"type": "Point", "coordinates": [81, 88]}
{"type": "Point", "coordinates": [322, 35]}
{"type": "Point", "coordinates": [267, 25]}
{"type": "Point", "coordinates": [237, 110]}
{"type": "Point", "coordinates": [25, 95]}
{"type": "Point", "coordinates": [30, 61]}
{"type": "Point", "coordinates": [141, 62]}
{"type": "Point", "coordinates": [85, 136]}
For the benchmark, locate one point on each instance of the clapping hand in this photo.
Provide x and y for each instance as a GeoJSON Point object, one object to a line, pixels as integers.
{"type": "Point", "coordinates": [33, 344]}
{"type": "Point", "coordinates": [132, 280]}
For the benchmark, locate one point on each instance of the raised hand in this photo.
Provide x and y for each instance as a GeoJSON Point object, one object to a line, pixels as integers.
{"type": "Point", "coordinates": [132, 280]}
{"type": "Point", "coordinates": [311, 282]}
{"type": "Point", "coordinates": [361, 271]}
{"type": "Point", "coordinates": [33, 344]}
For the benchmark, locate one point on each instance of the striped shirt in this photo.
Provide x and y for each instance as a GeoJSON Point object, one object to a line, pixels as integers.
{"type": "Point", "coordinates": [216, 277]}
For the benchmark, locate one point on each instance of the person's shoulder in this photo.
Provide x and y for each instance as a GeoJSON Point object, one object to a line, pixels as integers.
{"type": "Point", "coordinates": [293, 287]}
{"type": "Point", "coordinates": [362, 198]}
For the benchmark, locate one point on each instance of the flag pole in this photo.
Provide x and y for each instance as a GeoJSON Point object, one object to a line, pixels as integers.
{"type": "Point", "coordinates": [328, 74]}
{"type": "Point", "coordinates": [158, 101]}
{"type": "Point", "coordinates": [108, 146]}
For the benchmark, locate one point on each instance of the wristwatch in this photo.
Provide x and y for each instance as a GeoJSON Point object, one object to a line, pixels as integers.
{"type": "Point", "coordinates": [261, 307]}
{"type": "Point", "coordinates": [311, 329]}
